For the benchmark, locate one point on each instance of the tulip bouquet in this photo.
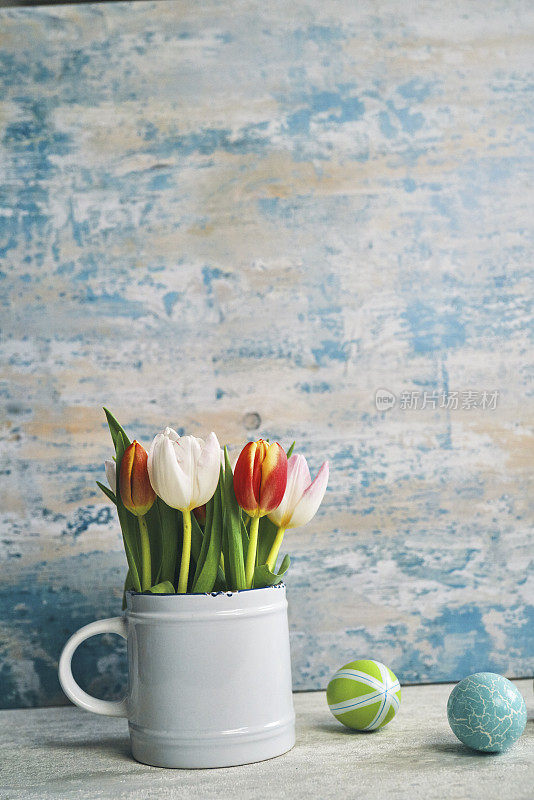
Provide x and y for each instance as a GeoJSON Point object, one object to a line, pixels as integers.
{"type": "Point", "coordinates": [192, 524]}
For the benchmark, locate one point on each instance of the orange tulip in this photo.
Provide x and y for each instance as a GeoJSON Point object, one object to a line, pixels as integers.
{"type": "Point", "coordinates": [260, 477]}
{"type": "Point", "coordinates": [136, 491]}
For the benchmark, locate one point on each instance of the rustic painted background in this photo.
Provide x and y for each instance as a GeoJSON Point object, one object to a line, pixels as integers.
{"type": "Point", "coordinates": [247, 217]}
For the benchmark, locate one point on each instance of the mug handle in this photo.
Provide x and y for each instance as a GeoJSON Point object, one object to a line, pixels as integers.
{"type": "Point", "coordinates": [111, 708]}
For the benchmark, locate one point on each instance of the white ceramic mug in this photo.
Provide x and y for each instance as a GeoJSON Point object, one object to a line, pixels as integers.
{"type": "Point", "coordinates": [209, 677]}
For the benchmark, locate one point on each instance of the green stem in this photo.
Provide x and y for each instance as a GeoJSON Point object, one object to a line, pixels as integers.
{"type": "Point", "coordinates": [186, 552]}
{"type": "Point", "coordinates": [275, 549]}
{"type": "Point", "coordinates": [146, 565]}
{"type": "Point", "coordinates": [251, 552]}
{"type": "Point", "coordinates": [169, 535]}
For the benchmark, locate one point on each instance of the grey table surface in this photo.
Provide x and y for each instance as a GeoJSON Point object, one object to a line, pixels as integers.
{"type": "Point", "coordinates": [68, 753]}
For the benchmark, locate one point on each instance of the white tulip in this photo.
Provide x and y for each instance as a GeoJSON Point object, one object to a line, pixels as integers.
{"type": "Point", "coordinates": [184, 470]}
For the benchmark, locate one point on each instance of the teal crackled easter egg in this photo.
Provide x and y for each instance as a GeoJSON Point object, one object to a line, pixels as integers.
{"type": "Point", "coordinates": [364, 695]}
{"type": "Point", "coordinates": [487, 712]}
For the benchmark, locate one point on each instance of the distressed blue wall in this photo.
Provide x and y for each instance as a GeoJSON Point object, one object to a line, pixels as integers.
{"type": "Point", "coordinates": [247, 217]}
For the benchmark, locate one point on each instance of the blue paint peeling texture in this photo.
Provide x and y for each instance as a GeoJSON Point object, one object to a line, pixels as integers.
{"type": "Point", "coordinates": [219, 216]}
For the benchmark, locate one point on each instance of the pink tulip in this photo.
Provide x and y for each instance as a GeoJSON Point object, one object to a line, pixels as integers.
{"type": "Point", "coordinates": [300, 502]}
{"type": "Point", "coordinates": [302, 496]}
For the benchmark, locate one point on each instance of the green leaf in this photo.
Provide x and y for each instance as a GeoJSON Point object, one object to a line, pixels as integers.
{"type": "Point", "coordinates": [210, 504]}
{"type": "Point", "coordinates": [197, 537]}
{"type": "Point", "coordinates": [128, 584]}
{"type": "Point", "coordinates": [206, 534]}
{"type": "Point", "coordinates": [220, 584]}
{"type": "Point", "coordinates": [290, 451]}
{"type": "Point", "coordinates": [153, 522]}
{"type": "Point", "coordinates": [109, 494]}
{"type": "Point", "coordinates": [266, 536]}
{"type": "Point", "coordinates": [128, 522]}
{"type": "Point", "coordinates": [230, 500]}
{"type": "Point", "coordinates": [165, 587]}
{"type": "Point", "coordinates": [225, 549]}
{"type": "Point", "coordinates": [171, 538]}
{"type": "Point", "coordinates": [208, 562]}
{"type": "Point", "coordinates": [118, 434]}
{"type": "Point", "coordinates": [234, 560]}
{"type": "Point", "coordinates": [244, 536]}
{"type": "Point", "coordinates": [220, 581]}
{"type": "Point", "coordinates": [264, 577]}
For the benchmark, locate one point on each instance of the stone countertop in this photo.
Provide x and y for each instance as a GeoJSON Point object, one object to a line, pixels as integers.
{"type": "Point", "coordinates": [67, 753]}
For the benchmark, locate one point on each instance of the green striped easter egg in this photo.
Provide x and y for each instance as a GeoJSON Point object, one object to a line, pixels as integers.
{"type": "Point", "coordinates": [364, 695]}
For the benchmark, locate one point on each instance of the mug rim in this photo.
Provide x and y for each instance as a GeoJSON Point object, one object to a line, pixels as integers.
{"type": "Point", "coordinates": [225, 592]}
{"type": "Point", "coordinates": [248, 602]}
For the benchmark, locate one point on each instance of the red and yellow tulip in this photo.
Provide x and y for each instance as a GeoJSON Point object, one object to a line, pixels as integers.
{"type": "Point", "coordinates": [260, 478]}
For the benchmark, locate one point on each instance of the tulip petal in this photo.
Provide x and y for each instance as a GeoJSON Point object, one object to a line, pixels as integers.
{"type": "Point", "coordinates": [257, 470]}
{"type": "Point", "coordinates": [166, 475]}
{"type": "Point", "coordinates": [125, 477]}
{"type": "Point", "coordinates": [111, 474]}
{"type": "Point", "coordinates": [143, 494]}
{"type": "Point", "coordinates": [171, 434]}
{"type": "Point", "coordinates": [187, 450]}
{"type": "Point", "coordinates": [307, 507]}
{"type": "Point", "coordinates": [298, 480]}
{"type": "Point", "coordinates": [184, 456]}
{"type": "Point", "coordinates": [244, 487]}
{"type": "Point", "coordinates": [273, 478]}
{"type": "Point", "coordinates": [207, 471]}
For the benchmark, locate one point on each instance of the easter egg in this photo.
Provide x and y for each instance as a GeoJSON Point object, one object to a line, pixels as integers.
{"type": "Point", "coordinates": [364, 695]}
{"type": "Point", "coordinates": [487, 712]}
